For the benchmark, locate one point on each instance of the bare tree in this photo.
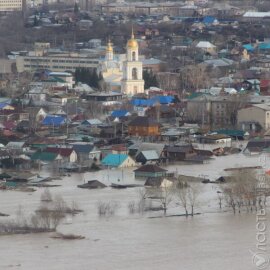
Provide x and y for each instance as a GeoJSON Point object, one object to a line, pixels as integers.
{"type": "Point", "coordinates": [164, 194]}
{"type": "Point", "coordinates": [183, 198]}
{"type": "Point", "coordinates": [242, 191]}
{"type": "Point", "coordinates": [192, 195]}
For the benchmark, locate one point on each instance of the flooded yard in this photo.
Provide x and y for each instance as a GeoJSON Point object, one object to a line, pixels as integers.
{"type": "Point", "coordinates": [210, 241]}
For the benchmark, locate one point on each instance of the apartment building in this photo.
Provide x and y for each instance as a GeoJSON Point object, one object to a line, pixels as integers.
{"type": "Point", "coordinates": [12, 5]}
{"type": "Point", "coordinates": [56, 60]}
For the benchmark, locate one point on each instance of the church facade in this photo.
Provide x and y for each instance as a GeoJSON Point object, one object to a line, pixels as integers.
{"type": "Point", "coordinates": [123, 72]}
{"type": "Point", "coordinates": [132, 81]}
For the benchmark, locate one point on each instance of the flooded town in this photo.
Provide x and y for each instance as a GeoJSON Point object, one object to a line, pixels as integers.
{"type": "Point", "coordinates": [134, 134]}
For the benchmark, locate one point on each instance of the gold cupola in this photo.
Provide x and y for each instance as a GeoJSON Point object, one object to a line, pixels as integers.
{"type": "Point", "coordinates": [132, 43]}
{"type": "Point", "coordinates": [109, 47]}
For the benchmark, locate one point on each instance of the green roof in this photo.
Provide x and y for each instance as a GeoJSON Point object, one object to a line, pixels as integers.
{"type": "Point", "coordinates": [42, 145]}
{"type": "Point", "coordinates": [44, 156]}
{"type": "Point", "coordinates": [230, 132]}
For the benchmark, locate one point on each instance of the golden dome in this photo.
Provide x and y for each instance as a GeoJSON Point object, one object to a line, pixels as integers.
{"type": "Point", "coordinates": [109, 47]}
{"type": "Point", "coordinates": [132, 43]}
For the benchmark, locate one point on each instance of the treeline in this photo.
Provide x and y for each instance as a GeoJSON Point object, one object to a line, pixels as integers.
{"type": "Point", "coordinates": [89, 76]}
{"type": "Point", "coordinates": [150, 79]}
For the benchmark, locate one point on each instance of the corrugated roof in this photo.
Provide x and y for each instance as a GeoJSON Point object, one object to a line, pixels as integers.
{"type": "Point", "coordinates": [53, 120]}
{"type": "Point", "coordinates": [150, 155]}
{"type": "Point", "coordinates": [83, 148]}
{"type": "Point", "coordinates": [119, 113]}
{"type": "Point", "coordinates": [65, 152]}
{"type": "Point", "coordinates": [114, 160]}
{"type": "Point", "coordinates": [44, 156]}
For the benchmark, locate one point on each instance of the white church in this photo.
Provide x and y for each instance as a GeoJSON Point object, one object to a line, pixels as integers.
{"type": "Point", "coordinates": [126, 71]}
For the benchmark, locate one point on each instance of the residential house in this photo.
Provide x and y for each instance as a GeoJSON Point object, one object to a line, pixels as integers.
{"type": "Point", "coordinates": [120, 113]}
{"type": "Point", "coordinates": [91, 123]}
{"type": "Point", "coordinates": [145, 157]}
{"type": "Point", "coordinates": [143, 126]}
{"type": "Point", "coordinates": [206, 46]}
{"type": "Point", "coordinates": [36, 114]}
{"type": "Point", "coordinates": [54, 121]}
{"type": "Point", "coordinates": [86, 151]}
{"type": "Point", "coordinates": [216, 138]}
{"type": "Point", "coordinates": [93, 184]}
{"type": "Point", "coordinates": [158, 182]}
{"type": "Point", "coordinates": [180, 152]}
{"type": "Point", "coordinates": [67, 154]}
{"type": "Point", "coordinates": [45, 156]}
{"type": "Point", "coordinates": [256, 146]}
{"type": "Point", "coordinates": [149, 170]}
{"type": "Point", "coordinates": [118, 161]}
{"type": "Point", "coordinates": [137, 148]}
{"type": "Point", "coordinates": [19, 146]}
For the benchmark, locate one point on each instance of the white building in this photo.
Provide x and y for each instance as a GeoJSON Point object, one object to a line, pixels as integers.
{"type": "Point", "coordinates": [132, 82]}
{"type": "Point", "coordinates": [111, 69]}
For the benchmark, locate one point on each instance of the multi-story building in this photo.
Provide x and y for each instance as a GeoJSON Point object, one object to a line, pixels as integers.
{"type": "Point", "coordinates": [56, 60]}
{"type": "Point", "coordinates": [215, 111]}
{"type": "Point", "coordinates": [12, 5]}
{"type": "Point", "coordinates": [255, 117]}
{"type": "Point", "coordinates": [146, 8]}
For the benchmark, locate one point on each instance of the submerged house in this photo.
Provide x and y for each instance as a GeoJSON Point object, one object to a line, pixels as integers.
{"type": "Point", "coordinates": [67, 154]}
{"type": "Point", "coordinates": [118, 161]}
{"type": "Point", "coordinates": [159, 182]}
{"type": "Point", "coordinates": [257, 146]}
{"type": "Point", "coordinates": [149, 156]}
{"type": "Point", "coordinates": [180, 152]}
{"type": "Point", "coordinates": [86, 151]}
{"type": "Point", "coordinates": [149, 170]}
{"type": "Point", "coordinates": [45, 156]}
{"type": "Point", "coordinates": [92, 184]}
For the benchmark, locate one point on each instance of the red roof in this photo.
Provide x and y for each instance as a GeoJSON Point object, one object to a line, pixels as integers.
{"type": "Point", "coordinates": [78, 117]}
{"type": "Point", "coordinates": [9, 125]}
{"type": "Point", "coordinates": [265, 83]}
{"type": "Point", "coordinates": [65, 152]}
{"type": "Point", "coordinates": [119, 147]}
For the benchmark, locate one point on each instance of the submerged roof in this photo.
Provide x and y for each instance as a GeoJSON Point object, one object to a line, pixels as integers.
{"type": "Point", "coordinates": [150, 168]}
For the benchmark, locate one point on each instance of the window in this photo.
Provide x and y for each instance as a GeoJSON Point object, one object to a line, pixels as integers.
{"type": "Point", "coordinates": [134, 74]}
{"type": "Point", "coordinates": [133, 56]}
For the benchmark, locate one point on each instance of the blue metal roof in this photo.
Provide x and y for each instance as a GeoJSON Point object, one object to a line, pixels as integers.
{"type": "Point", "coordinates": [53, 120]}
{"type": "Point", "coordinates": [3, 105]}
{"type": "Point", "coordinates": [208, 19]}
{"type": "Point", "coordinates": [264, 46]}
{"type": "Point", "coordinates": [143, 102]}
{"type": "Point", "coordinates": [164, 99]}
{"type": "Point", "coordinates": [248, 47]}
{"type": "Point", "coordinates": [119, 113]}
{"type": "Point", "coordinates": [114, 160]}
{"type": "Point", "coordinates": [152, 101]}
